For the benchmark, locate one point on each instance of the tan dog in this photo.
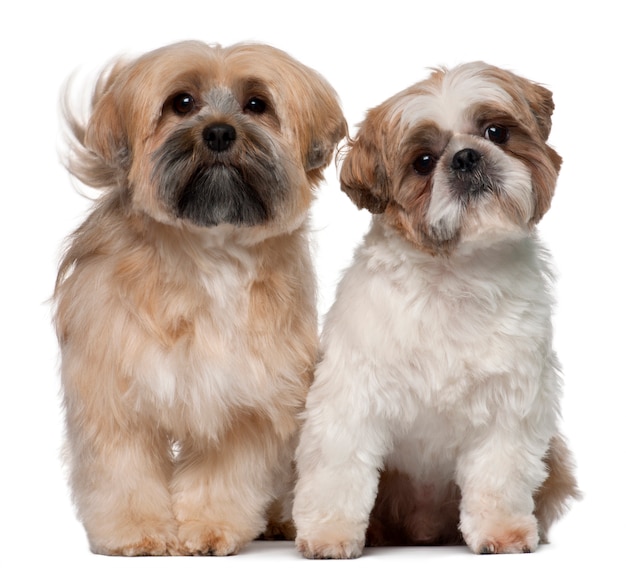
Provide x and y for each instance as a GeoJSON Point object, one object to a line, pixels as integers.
{"type": "Point", "coordinates": [185, 303]}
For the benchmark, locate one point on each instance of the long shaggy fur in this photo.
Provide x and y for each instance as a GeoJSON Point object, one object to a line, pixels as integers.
{"type": "Point", "coordinates": [188, 341]}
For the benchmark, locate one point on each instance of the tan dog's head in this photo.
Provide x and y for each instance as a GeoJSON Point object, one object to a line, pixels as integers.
{"type": "Point", "coordinates": [459, 157]}
{"type": "Point", "coordinates": [205, 135]}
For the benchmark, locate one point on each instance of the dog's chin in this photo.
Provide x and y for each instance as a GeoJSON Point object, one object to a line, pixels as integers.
{"type": "Point", "coordinates": [220, 195]}
{"type": "Point", "coordinates": [491, 225]}
{"type": "Point", "coordinates": [473, 225]}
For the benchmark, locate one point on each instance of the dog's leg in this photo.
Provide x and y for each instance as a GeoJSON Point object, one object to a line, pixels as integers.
{"type": "Point", "coordinates": [279, 519]}
{"type": "Point", "coordinates": [498, 477]}
{"type": "Point", "coordinates": [339, 459]}
{"type": "Point", "coordinates": [119, 478]}
{"type": "Point", "coordinates": [223, 489]}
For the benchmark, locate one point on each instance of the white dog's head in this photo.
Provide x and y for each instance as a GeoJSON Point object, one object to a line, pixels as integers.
{"type": "Point", "coordinates": [459, 157]}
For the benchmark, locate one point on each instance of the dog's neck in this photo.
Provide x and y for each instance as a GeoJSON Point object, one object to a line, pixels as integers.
{"type": "Point", "coordinates": [491, 255]}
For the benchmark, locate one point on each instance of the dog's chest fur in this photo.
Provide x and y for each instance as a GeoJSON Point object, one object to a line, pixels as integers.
{"type": "Point", "coordinates": [196, 366]}
{"type": "Point", "coordinates": [223, 360]}
{"type": "Point", "coordinates": [452, 344]}
{"type": "Point", "coordinates": [190, 326]}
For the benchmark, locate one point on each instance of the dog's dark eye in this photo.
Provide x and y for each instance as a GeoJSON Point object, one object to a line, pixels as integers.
{"type": "Point", "coordinates": [497, 134]}
{"type": "Point", "coordinates": [256, 105]}
{"type": "Point", "coordinates": [424, 164]}
{"type": "Point", "coordinates": [183, 103]}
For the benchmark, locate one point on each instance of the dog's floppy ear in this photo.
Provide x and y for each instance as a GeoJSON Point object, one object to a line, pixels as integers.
{"type": "Point", "coordinates": [98, 147]}
{"type": "Point", "coordinates": [326, 125]}
{"type": "Point", "coordinates": [540, 100]}
{"type": "Point", "coordinates": [105, 134]}
{"type": "Point", "coordinates": [541, 105]}
{"type": "Point", "coordinates": [364, 177]}
{"type": "Point", "coordinates": [328, 128]}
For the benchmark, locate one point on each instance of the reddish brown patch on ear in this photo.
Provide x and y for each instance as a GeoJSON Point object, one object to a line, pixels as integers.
{"type": "Point", "coordinates": [544, 164]}
{"type": "Point", "coordinates": [363, 178]}
{"type": "Point", "coordinates": [545, 172]}
{"type": "Point", "coordinates": [540, 100]}
{"type": "Point", "coordinates": [543, 160]}
{"type": "Point", "coordinates": [364, 174]}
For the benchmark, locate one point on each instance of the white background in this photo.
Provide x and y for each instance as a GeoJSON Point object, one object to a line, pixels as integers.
{"type": "Point", "coordinates": [368, 51]}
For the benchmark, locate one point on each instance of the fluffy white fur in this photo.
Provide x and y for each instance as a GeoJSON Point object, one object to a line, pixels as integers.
{"type": "Point", "coordinates": [440, 369]}
{"type": "Point", "coordinates": [436, 366]}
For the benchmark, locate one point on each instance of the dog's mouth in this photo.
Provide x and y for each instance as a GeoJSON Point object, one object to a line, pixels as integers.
{"type": "Point", "coordinates": [472, 176]}
{"type": "Point", "coordinates": [220, 194]}
{"type": "Point", "coordinates": [240, 183]}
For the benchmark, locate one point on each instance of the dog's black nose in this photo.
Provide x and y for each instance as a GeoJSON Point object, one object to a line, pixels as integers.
{"type": "Point", "coordinates": [219, 136]}
{"type": "Point", "coordinates": [465, 160]}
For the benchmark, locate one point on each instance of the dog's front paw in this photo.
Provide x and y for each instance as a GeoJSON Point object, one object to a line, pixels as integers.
{"type": "Point", "coordinates": [315, 549]}
{"type": "Point", "coordinates": [506, 535]}
{"type": "Point", "coordinates": [201, 539]}
{"type": "Point", "coordinates": [147, 546]}
{"type": "Point", "coordinates": [141, 540]}
{"type": "Point", "coordinates": [332, 542]}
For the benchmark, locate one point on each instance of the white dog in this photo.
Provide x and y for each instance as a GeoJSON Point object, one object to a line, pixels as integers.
{"type": "Point", "coordinates": [437, 366]}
